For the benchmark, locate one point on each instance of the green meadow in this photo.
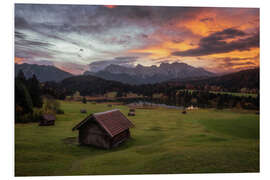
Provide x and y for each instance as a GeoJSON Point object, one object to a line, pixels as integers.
{"type": "Point", "coordinates": [163, 141]}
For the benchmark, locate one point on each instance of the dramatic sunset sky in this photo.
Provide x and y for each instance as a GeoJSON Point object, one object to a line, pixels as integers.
{"type": "Point", "coordinates": [77, 38]}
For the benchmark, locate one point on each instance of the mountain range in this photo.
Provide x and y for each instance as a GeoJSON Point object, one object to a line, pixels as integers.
{"type": "Point", "coordinates": [43, 72]}
{"type": "Point", "coordinates": [115, 75]}
{"type": "Point", "coordinates": [92, 85]}
{"type": "Point", "coordinates": [150, 75]}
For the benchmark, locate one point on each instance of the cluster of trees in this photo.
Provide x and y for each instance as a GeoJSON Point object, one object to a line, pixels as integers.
{"type": "Point", "coordinates": [54, 89]}
{"type": "Point", "coordinates": [85, 85]}
{"type": "Point", "coordinates": [246, 80]}
{"type": "Point", "coordinates": [27, 98]}
{"type": "Point", "coordinates": [31, 100]}
{"type": "Point", "coordinates": [206, 99]}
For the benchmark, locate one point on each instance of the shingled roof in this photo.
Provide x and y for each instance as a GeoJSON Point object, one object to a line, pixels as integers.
{"type": "Point", "coordinates": [113, 122]}
{"type": "Point", "coordinates": [49, 117]}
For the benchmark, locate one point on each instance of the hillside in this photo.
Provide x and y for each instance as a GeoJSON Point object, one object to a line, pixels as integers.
{"type": "Point", "coordinates": [127, 78]}
{"type": "Point", "coordinates": [242, 79]}
{"type": "Point", "coordinates": [90, 85]}
{"type": "Point", "coordinates": [42, 72]}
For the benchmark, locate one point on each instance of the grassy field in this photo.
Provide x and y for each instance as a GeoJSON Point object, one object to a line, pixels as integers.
{"type": "Point", "coordinates": [163, 141]}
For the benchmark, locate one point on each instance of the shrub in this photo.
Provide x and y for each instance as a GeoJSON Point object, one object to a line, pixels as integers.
{"type": "Point", "coordinates": [50, 105]}
{"type": "Point", "coordinates": [25, 118]}
{"type": "Point", "coordinates": [18, 111]}
{"type": "Point", "coordinates": [37, 115]}
{"type": "Point", "coordinates": [60, 111]}
{"type": "Point", "coordinates": [84, 100]}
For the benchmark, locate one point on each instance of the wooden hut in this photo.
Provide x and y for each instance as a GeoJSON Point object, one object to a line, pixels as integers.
{"type": "Point", "coordinates": [47, 120]}
{"type": "Point", "coordinates": [131, 112]}
{"type": "Point", "coordinates": [105, 129]}
{"type": "Point", "coordinates": [83, 111]}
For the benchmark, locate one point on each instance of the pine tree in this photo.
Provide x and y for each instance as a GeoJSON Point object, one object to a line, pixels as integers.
{"type": "Point", "coordinates": [220, 103]}
{"type": "Point", "coordinates": [22, 97]}
{"type": "Point", "coordinates": [21, 76]}
{"type": "Point", "coordinates": [35, 91]}
{"type": "Point", "coordinates": [84, 100]}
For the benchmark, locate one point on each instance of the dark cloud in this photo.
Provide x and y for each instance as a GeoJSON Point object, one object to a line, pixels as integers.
{"type": "Point", "coordinates": [234, 64]}
{"type": "Point", "coordinates": [228, 63]}
{"type": "Point", "coordinates": [21, 23]}
{"type": "Point", "coordinates": [120, 40]}
{"type": "Point", "coordinates": [31, 55]}
{"type": "Point", "coordinates": [222, 35]}
{"type": "Point", "coordinates": [207, 19]}
{"type": "Point", "coordinates": [19, 35]}
{"type": "Point", "coordinates": [216, 43]}
{"type": "Point", "coordinates": [177, 40]}
{"type": "Point", "coordinates": [95, 19]}
{"type": "Point", "coordinates": [33, 43]}
{"type": "Point", "coordinates": [144, 36]}
{"type": "Point", "coordinates": [123, 61]}
{"type": "Point", "coordinates": [21, 39]}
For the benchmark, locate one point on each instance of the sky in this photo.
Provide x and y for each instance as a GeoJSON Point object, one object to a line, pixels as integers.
{"type": "Point", "coordinates": [77, 38]}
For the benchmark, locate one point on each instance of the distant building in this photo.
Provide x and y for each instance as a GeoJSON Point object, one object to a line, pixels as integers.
{"type": "Point", "coordinates": [83, 111]}
{"type": "Point", "coordinates": [47, 120]}
{"type": "Point", "coordinates": [105, 129]}
{"type": "Point", "coordinates": [191, 108]}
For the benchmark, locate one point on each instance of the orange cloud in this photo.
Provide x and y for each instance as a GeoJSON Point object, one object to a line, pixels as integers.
{"type": "Point", "coordinates": [19, 60]}
{"type": "Point", "coordinates": [202, 24]}
{"type": "Point", "coordinates": [209, 20]}
{"type": "Point", "coordinates": [238, 54]}
{"type": "Point", "coordinates": [233, 61]}
{"type": "Point", "coordinates": [110, 6]}
{"type": "Point", "coordinates": [164, 49]}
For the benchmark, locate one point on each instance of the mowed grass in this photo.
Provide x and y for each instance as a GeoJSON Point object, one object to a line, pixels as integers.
{"type": "Point", "coordinates": [163, 141]}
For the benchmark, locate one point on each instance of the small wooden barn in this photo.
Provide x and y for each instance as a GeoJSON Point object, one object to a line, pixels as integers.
{"type": "Point", "coordinates": [105, 129]}
{"type": "Point", "coordinates": [83, 111]}
{"type": "Point", "coordinates": [47, 120]}
{"type": "Point", "coordinates": [131, 112]}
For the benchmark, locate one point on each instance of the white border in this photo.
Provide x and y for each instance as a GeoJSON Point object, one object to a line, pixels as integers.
{"type": "Point", "coordinates": [200, 3]}
{"type": "Point", "coordinates": [7, 84]}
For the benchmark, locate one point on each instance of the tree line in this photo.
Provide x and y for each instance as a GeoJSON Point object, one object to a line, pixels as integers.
{"type": "Point", "coordinates": [172, 94]}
